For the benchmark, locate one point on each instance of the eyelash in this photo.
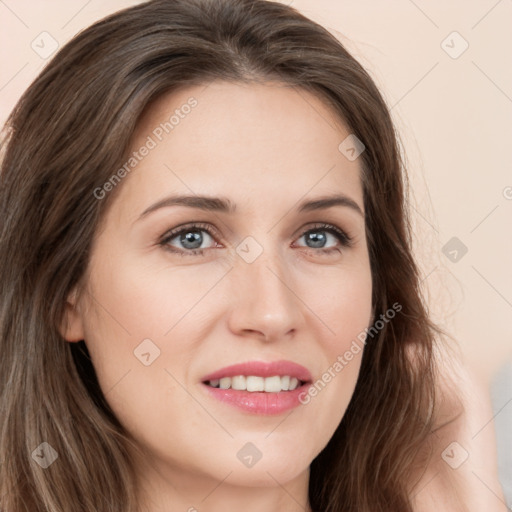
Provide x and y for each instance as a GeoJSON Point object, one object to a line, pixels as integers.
{"type": "Point", "coordinates": [345, 240]}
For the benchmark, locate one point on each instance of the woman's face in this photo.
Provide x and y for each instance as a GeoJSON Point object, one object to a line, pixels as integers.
{"type": "Point", "coordinates": [261, 281]}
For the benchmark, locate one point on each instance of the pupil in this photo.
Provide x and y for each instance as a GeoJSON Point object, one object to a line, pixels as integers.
{"type": "Point", "coordinates": [192, 237]}
{"type": "Point", "coordinates": [318, 240]}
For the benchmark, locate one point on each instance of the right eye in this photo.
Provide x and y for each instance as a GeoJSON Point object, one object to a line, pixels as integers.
{"type": "Point", "coordinates": [190, 237]}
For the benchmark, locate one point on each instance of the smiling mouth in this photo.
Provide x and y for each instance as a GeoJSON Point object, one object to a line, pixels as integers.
{"type": "Point", "coordinates": [253, 383]}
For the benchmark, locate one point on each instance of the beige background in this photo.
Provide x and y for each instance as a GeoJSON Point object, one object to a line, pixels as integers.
{"type": "Point", "coordinates": [454, 115]}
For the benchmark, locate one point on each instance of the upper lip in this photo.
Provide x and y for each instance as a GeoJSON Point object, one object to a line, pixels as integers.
{"type": "Point", "coordinates": [263, 369]}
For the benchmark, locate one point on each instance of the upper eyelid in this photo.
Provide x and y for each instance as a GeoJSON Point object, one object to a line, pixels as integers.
{"type": "Point", "coordinates": [172, 233]}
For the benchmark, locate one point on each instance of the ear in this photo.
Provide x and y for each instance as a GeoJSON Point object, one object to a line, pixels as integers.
{"type": "Point", "coordinates": [71, 328]}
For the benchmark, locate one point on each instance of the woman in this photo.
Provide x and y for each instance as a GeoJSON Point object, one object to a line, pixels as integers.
{"type": "Point", "coordinates": [209, 299]}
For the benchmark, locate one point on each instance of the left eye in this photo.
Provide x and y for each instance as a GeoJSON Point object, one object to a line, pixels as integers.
{"type": "Point", "coordinates": [191, 237]}
{"type": "Point", "coordinates": [318, 237]}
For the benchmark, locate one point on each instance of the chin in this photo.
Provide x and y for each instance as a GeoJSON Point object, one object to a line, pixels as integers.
{"type": "Point", "coordinates": [254, 464]}
{"type": "Point", "coordinates": [266, 475]}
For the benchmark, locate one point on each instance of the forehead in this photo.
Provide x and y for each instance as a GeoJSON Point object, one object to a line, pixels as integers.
{"type": "Point", "coordinates": [268, 141]}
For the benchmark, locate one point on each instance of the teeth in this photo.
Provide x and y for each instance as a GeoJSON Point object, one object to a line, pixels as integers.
{"type": "Point", "coordinates": [273, 384]}
{"type": "Point", "coordinates": [255, 383]}
{"type": "Point", "coordinates": [252, 383]}
{"type": "Point", "coordinates": [238, 382]}
{"type": "Point", "coordinates": [225, 383]}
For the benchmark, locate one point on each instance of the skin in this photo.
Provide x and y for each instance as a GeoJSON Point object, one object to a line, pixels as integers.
{"type": "Point", "coordinates": [266, 147]}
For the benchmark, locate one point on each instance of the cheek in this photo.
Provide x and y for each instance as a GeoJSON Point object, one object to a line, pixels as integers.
{"type": "Point", "coordinates": [139, 369]}
{"type": "Point", "coordinates": [137, 301]}
{"type": "Point", "coordinates": [343, 303]}
{"type": "Point", "coordinates": [142, 329]}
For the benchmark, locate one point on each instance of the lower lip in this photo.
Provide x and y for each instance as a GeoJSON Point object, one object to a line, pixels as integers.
{"type": "Point", "coordinates": [260, 402]}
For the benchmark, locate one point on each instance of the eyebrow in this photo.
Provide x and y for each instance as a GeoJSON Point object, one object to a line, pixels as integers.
{"type": "Point", "coordinates": [225, 205]}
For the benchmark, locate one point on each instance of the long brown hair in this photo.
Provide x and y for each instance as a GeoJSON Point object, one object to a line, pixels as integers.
{"type": "Point", "coordinates": [66, 137]}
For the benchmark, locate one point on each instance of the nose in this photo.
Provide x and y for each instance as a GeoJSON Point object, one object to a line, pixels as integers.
{"type": "Point", "coordinates": [265, 303]}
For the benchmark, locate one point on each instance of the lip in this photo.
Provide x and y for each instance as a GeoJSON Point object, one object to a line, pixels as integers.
{"type": "Point", "coordinates": [256, 402]}
{"type": "Point", "coordinates": [263, 369]}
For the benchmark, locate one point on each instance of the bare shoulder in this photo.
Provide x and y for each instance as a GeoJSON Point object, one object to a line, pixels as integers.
{"type": "Point", "coordinates": [461, 474]}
